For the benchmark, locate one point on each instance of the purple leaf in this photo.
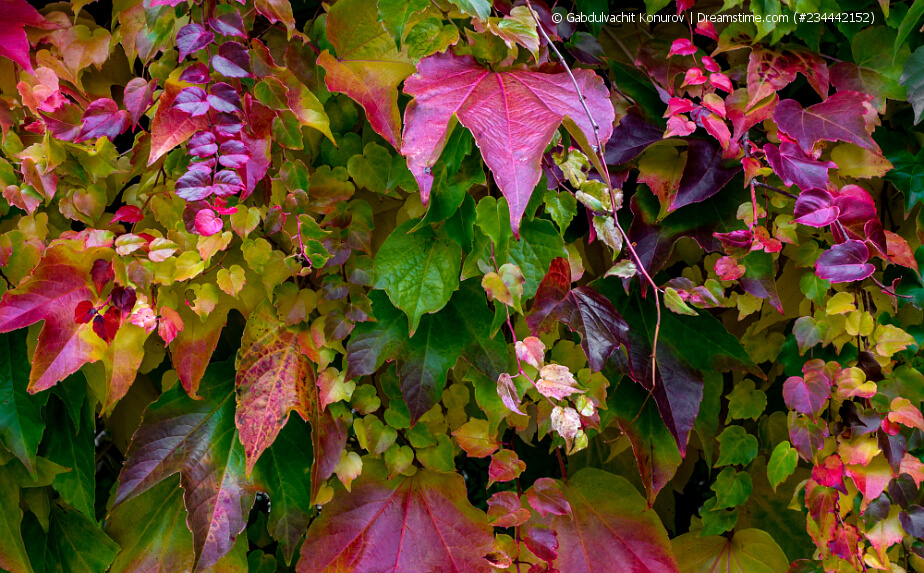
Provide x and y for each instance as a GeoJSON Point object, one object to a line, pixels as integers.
{"type": "Point", "coordinates": [631, 137]}
{"type": "Point", "coordinates": [192, 38]}
{"type": "Point", "coordinates": [224, 98]}
{"type": "Point", "coordinates": [194, 185]}
{"type": "Point", "coordinates": [64, 122]}
{"type": "Point", "coordinates": [807, 395]}
{"type": "Point", "coordinates": [816, 208]}
{"type": "Point", "coordinates": [207, 223]}
{"type": "Point", "coordinates": [195, 74]}
{"type": "Point", "coordinates": [227, 183]}
{"type": "Point", "coordinates": [232, 61]}
{"type": "Point", "coordinates": [228, 24]}
{"type": "Point", "coordinates": [138, 97]}
{"type": "Point", "coordinates": [234, 154]}
{"type": "Point", "coordinates": [795, 167]}
{"type": "Point", "coordinates": [913, 521]}
{"type": "Point", "coordinates": [704, 174]}
{"type": "Point", "coordinates": [226, 124]}
{"type": "Point", "coordinates": [192, 100]}
{"type": "Point", "coordinates": [845, 263]}
{"type": "Point", "coordinates": [842, 117]}
{"type": "Point", "coordinates": [202, 144]}
{"type": "Point", "coordinates": [103, 117]}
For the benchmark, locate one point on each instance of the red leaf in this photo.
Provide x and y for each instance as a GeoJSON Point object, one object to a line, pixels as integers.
{"type": "Point", "coordinates": [505, 510]}
{"type": "Point", "coordinates": [84, 312]}
{"type": "Point", "coordinates": [229, 24]}
{"type": "Point", "coordinates": [202, 145]}
{"type": "Point", "coordinates": [59, 283]}
{"type": "Point", "coordinates": [123, 298]}
{"type": "Point", "coordinates": [273, 379]}
{"type": "Point", "coordinates": [609, 531]}
{"type": "Point", "coordinates": [103, 118]}
{"type": "Point", "coordinates": [224, 98]}
{"type": "Point", "coordinates": [170, 324]}
{"type": "Point", "coordinates": [808, 394]}
{"type": "Point", "coordinates": [129, 214]}
{"type": "Point", "coordinates": [13, 41]}
{"type": "Point", "coordinates": [816, 208]}
{"type": "Point", "coordinates": [682, 46]}
{"type": "Point", "coordinates": [512, 116]}
{"type": "Point", "coordinates": [705, 173]}
{"type": "Point", "coordinates": [542, 541]}
{"type": "Point", "coordinates": [138, 97]}
{"type": "Point", "coordinates": [101, 272]}
{"type": "Point", "coordinates": [547, 497]}
{"type": "Point", "coordinates": [106, 326]}
{"type": "Point", "coordinates": [795, 167]}
{"type": "Point", "coordinates": [418, 523]}
{"type": "Point", "coordinates": [842, 117]}
{"type": "Point", "coordinates": [232, 61]}
{"type": "Point", "coordinates": [194, 344]}
{"type": "Point", "coordinates": [171, 127]}
{"type": "Point", "coordinates": [192, 100]}
{"type": "Point", "coordinates": [505, 466]}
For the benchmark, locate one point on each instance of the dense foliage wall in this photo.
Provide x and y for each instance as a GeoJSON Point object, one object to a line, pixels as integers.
{"type": "Point", "coordinates": [446, 285]}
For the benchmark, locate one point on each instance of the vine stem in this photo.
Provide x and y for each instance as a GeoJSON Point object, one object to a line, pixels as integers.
{"type": "Point", "coordinates": [609, 186]}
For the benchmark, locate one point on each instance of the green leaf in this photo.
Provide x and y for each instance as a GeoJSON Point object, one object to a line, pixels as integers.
{"type": "Point", "coordinates": [371, 169]}
{"type": "Point", "coordinates": [430, 36]}
{"type": "Point", "coordinates": [782, 463]}
{"type": "Point", "coordinates": [744, 401]}
{"type": "Point", "coordinates": [74, 449]}
{"type": "Point", "coordinates": [706, 425]}
{"type": "Point", "coordinates": [493, 218]}
{"type": "Point", "coordinates": [908, 25]}
{"type": "Point", "coordinates": [562, 207]}
{"type": "Point", "coordinates": [287, 130]}
{"type": "Point", "coordinates": [418, 270]}
{"type": "Point", "coordinates": [748, 551]}
{"type": "Point", "coordinates": [21, 423]}
{"type": "Point", "coordinates": [533, 252]}
{"type": "Point", "coordinates": [480, 9]}
{"type": "Point", "coordinates": [737, 446]}
{"type": "Point", "coordinates": [449, 190]}
{"type": "Point", "coordinates": [814, 288]}
{"type": "Point", "coordinates": [13, 555]}
{"type": "Point", "coordinates": [394, 15]}
{"type": "Point", "coordinates": [716, 521]}
{"type": "Point", "coordinates": [77, 543]}
{"type": "Point", "coordinates": [913, 79]}
{"type": "Point", "coordinates": [287, 480]}
{"type": "Point", "coordinates": [732, 488]}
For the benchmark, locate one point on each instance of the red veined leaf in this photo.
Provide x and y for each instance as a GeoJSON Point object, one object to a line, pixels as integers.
{"type": "Point", "coordinates": [138, 97]}
{"type": "Point", "coordinates": [505, 510]}
{"type": "Point", "coordinates": [202, 145]}
{"type": "Point", "coordinates": [512, 116]}
{"type": "Point", "coordinates": [769, 71]}
{"type": "Point", "coordinates": [169, 325]}
{"type": "Point", "coordinates": [13, 41]}
{"type": "Point", "coordinates": [226, 124]}
{"type": "Point", "coordinates": [846, 262]}
{"type": "Point", "coordinates": [194, 343]}
{"type": "Point", "coordinates": [505, 466]}
{"type": "Point", "coordinates": [59, 283]}
{"type": "Point", "coordinates": [197, 73]}
{"type": "Point", "coordinates": [194, 185]}
{"type": "Point", "coordinates": [191, 38]}
{"type": "Point", "coordinates": [542, 540]}
{"type": "Point", "coordinates": [129, 214]}
{"type": "Point", "coordinates": [207, 454]}
{"type": "Point", "coordinates": [226, 183]}
{"type": "Point", "coordinates": [842, 117]}
{"type": "Point", "coordinates": [64, 122]}
{"type": "Point", "coordinates": [273, 377]}
{"type": "Point", "coordinates": [816, 208]}
{"type": "Point", "coordinates": [546, 496]}
{"type": "Point", "coordinates": [224, 98]}
{"type": "Point", "coordinates": [607, 529]}
{"type": "Point", "coordinates": [102, 273]}
{"type": "Point", "coordinates": [234, 154]}
{"type": "Point", "coordinates": [229, 24]}
{"type": "Point", "coordinates": [102, 118]}
{"type": "Point", "coordinates": [357, 530]}
{"type": "Point", "coordinates": [795, 167]}
{"type": "Point", "coordinates": [232, 61]}
{"type": "Point", "coordinates": [171, 127]}
{"type": "Point", "coordinates": [368, 66]}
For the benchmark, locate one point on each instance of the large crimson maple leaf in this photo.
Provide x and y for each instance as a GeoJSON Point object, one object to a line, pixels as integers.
{"type": "Point", "coordinates": [513, 116]}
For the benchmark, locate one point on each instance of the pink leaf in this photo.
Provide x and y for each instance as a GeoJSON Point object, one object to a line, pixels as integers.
{"type": "Point", "coordinates": [138, 97]}
{"type": "Point", "coordinates": [795, 167]}
{"type": "Point", "coordinates": [129, 214]}
{"type": "Point", "coordinates": [102, 118]}
{"type": "Point", "coordinates": [816, 208]}
{"type": "Point", "coordinates": [842, 117]}
{"type": "Point", "coordinates": [207, 223]}
{"type": "Point", "coordinates": [512, 116]}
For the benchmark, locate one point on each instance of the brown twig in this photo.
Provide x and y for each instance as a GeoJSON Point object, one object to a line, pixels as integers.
{"type": "Point", "coordinates": [772, 188]}
{"type": "Point", "coordinates": [609, 186]}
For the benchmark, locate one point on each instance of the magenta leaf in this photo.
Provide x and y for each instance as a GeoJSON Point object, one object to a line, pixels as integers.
{"type": "Point", "coordinates": [128, 213]}
{"type": "Point", "coordinates": [232, 61]}
{"type": "Point", "coordinates": [816, 208]}
{"type": "Point", "coordinates": [197, 73]}
{"type": "Point", "coordinates": [807, 395]}
{"type": "Point", "coordinates": [226, 124]}
{"type": "Point", "coordinates": [704, 174]}
{"type": "Point", "coordinates": [202, 145]}
{"type": "Point", "coordinates": [207, 223]}
{"type": "Point", "coordinates": [13, 41]}
{"type": "Point", "coordinates": [234, 154]}
{"type": "Point", "coordinates": [138, 97]}
{"type": "Point", "coordinates": [857, 209]}
{"type": "Point", "coordinates": [793, 166]}
{"type": "Point", "coordinates": [228, 24]}
{"type": "Point", "coordinates": [195, 185]}
{"type": "Point", "coordinates": [227, 183]}
{"type": "Point", "coordinates": [192, 38]}
{"type": "Point", "coordinates": [512, 116]}
{"type": "Point", "coordinates": [846, 262]}
{"type": "Point", "coordinates": [224, 98]}
{"type": "Point", "coordinates": [102, 118]}
{"type": "Point", "coordinates": [842, 117]}
{"type": "Point", "coordinates": [547, 497]}
{"type": "Point", "coordinates": [64, 123]}
{"type": "Point", "coordinates": [192, 100]}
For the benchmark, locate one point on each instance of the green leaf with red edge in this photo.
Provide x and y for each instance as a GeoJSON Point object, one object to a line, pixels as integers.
{"type": "Point", "coordinates": [21, 423]}
{"type": "Point", "coordinates": [207, 454]}
{"type": "Point", "coordinates": [607, 529]}
{"type": "Point", "coordinates": [748, 551]}
{"type": "Point", "coordinates": [760, 278]}
{"type": "Point", "coordinates": [273, 379]}
{"type": "Point", "coordinates": [368, 66]}
{"type": "Point", "coordinates": [277, 11]}
{"type": "Point", "coordinates": [512, 115]}
{"type": "Point", "coordinates": [872, 71]}
{"type": "Point", "coordinates": [51, 293]}
{"type": "Point", "coordinates": [284, 473]}
{"type": "Point", "coordinates": [164, 544]}
{"type": "Point", "coordinates": [845, 116]}
{"type": "Point", "coordinates": [171, 127]}
{"type": "Point", "coordinates": [418, 523]}
{"type": "Point", "coordinates": [653, 445]}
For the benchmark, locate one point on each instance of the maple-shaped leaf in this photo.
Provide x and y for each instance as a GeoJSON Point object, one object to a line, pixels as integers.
{"type": "Point", "coordinates": [207, 454]}
{"type": "Point", "coordinates": [845, 116]}
{"type": "Point", "coordinates": [746, 551]}
{"type": "Point", "coordinates": [793, 166]}
{"type": "Point", "coordinates": [51, 293]}
{"type": "Point", "coordinates": [512, 116]}
{"type": "Point", "coordinates": [170, 126]}
{"type": "Point", "coordinates": [583, 310]}
{"type": "Point", "coordinates": [17, 14]}
{"type": "Point", "coordinates": [368, 66]}
{"type": "Point", "coordinates": [605, 529]}
{"type": "Point", "coordinates": [361, 531]}
{"type": "Point", "coordinates": [273, 377]}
